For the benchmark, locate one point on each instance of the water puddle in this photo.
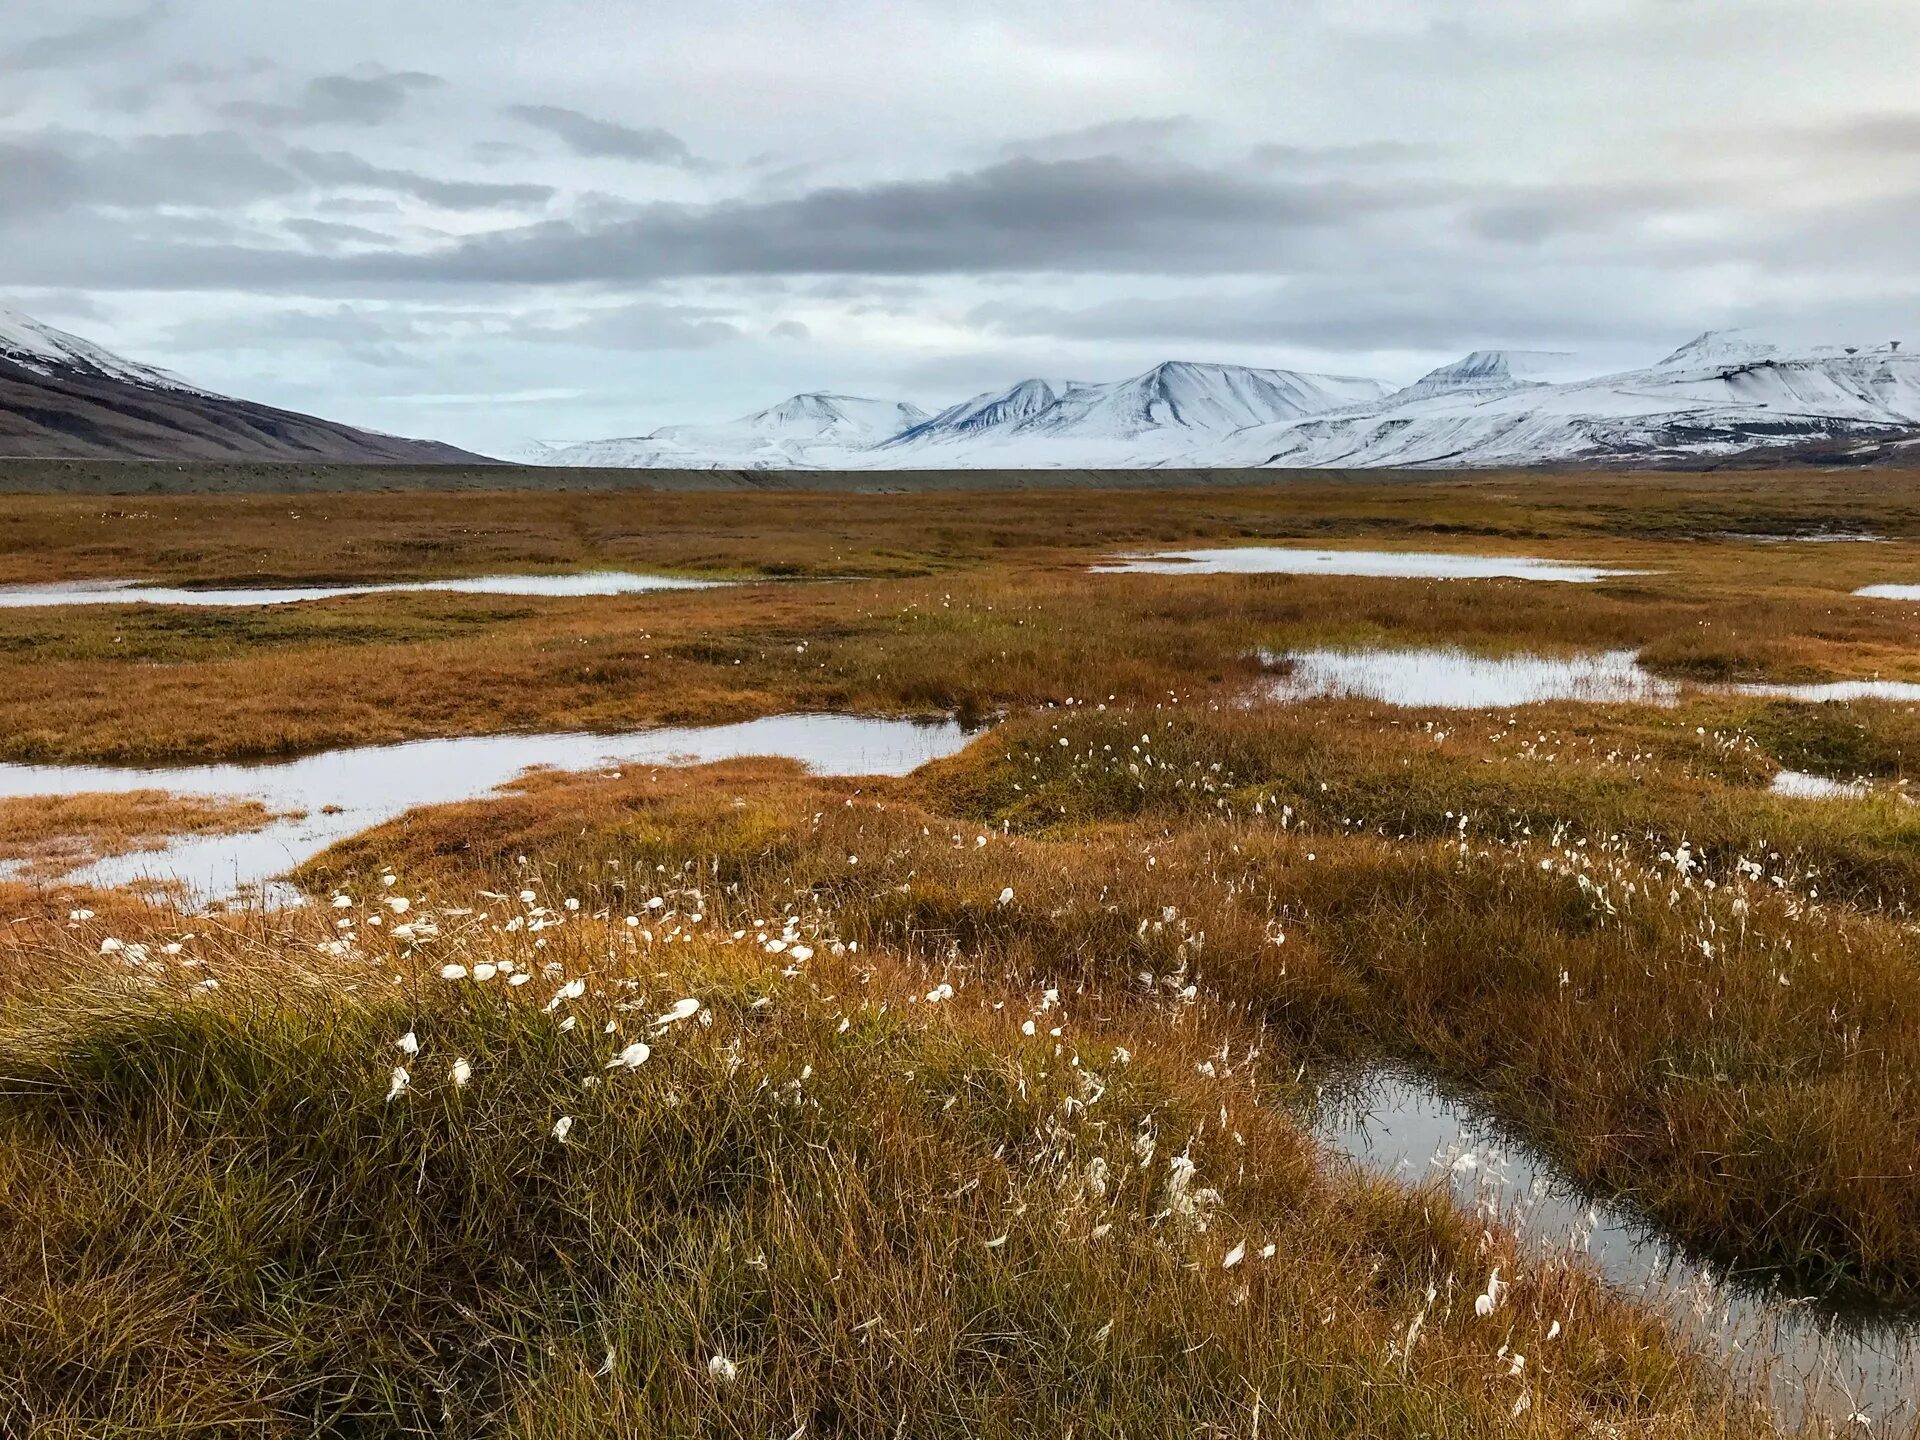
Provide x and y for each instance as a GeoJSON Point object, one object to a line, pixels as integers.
{"type": "Point", "coordinates": [1890, 592]}
{"type": "Point", "coordinates": [1804, 537]}
{"type": "Point", "coordinates": [1457, 679]}
{"type": "Point", "coordinates": [1830, 690]}
{"type": "Point", "coordinates": [1798, 785]}
{"type": "Point", "coordinates": [1448, 677]}
{"type": "Point", "coordinates": [339, 793]}
{"type": "Point", "coordinates": [129, 592]}
{"type": "Point", "coordinates": [1384, 564]}
{"type": "Point", "coordinates": [1813, 1360]}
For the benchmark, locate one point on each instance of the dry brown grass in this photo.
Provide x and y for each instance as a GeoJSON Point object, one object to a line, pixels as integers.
{"type": "Point", "coordinates": [892, 1214]}
{"type": "Point", "coordinates": [1497, 899]}
{"type": "Point", "coordinates": [42, 837]}
{"type": "Point", "coordinates": [982, 602]}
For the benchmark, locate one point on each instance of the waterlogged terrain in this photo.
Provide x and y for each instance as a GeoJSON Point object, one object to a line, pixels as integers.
{"type": "Point", "coordinates": [1860, 1365]}
{"type": "Point", "coordinates": [1452, 678]}
{"type": "Point", "coordinates": [342, 792]}
{"type": "Point", "coordinates": [131, 592]}
{"type": "Point", "coordinates": [1449, 677]}
{"type": "Point", "coordinates": [1396, 564]}
{"type": "Point", "coordinates": [602, 1050]}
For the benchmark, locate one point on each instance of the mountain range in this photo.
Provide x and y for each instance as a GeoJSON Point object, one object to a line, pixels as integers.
{"type": "Point", "coordinates": [1718, 395]}
{"type": "Point", "coordinates": [62, 396]}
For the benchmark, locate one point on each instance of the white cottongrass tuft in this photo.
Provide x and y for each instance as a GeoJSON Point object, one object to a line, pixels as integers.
{"type": "Point", "coordinates": [398, 1081]}
{"type": "Point", "coordinates": [631, 1058]}
{"type": "Point", "coordinates": [560, 1128]}
{"type": "Point", "coordinates": [1489, 1300]}
{"type": "Point", "coordinates": [678, 1011]}
{"type": "Point", "coordinates": [408, 1044]}
{"type": "Point", "coordinates": [1006, 896]}
{"type": "Point", "coordinates": [462, 1070]}
{"type": "Point", "coordinates": [723, 1370]}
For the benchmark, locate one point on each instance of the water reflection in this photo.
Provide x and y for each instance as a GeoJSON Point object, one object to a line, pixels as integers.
{"type": "Point", "coordinates": [128, 592]}
{"type": "Point", "coordinates": [1813, 1359]}
{"type": "Point", "coordinates": [342, 792]}
{"type": "Point", "coordinates": [1407, 564]}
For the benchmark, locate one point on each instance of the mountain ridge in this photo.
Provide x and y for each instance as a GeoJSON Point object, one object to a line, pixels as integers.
{"type": "Point", "coordinates": [1719, 394]}
{"type": "Point", "coordinates": [65, 397]}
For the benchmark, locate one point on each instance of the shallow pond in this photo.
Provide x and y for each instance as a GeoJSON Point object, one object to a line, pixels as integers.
{"type": "Point", "coordinates": [1459, 679]}
{"type": "Point", "coordinates": [1449, 677]}
{"type": "Point", "coordinates": [1812, 1359]}
{"type": "Point", "coordinates": [1890, 592]}
{"type": "Point", "coordinates": [129, 592]}
{"type": "Point", "coordinates": [342, 792]}
{"type": "Point", "coordinates": [1407, 564]}
{"type": "Point", "coordinates": [1799, 785]}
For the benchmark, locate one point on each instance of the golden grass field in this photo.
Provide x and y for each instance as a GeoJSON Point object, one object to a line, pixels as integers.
{"type": "Point", "coordinates": [989, 1121]}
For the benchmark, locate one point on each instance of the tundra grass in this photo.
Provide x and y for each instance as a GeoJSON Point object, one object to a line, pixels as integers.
{"type": "Point", "coordinates": [686, 1181]}
{"type": "Point", "coordinates": [1688, 1025]}
{"type": "Point", "coordinates": [1695, 995]}
{"type": "Point", "coordinates": [887, 604]}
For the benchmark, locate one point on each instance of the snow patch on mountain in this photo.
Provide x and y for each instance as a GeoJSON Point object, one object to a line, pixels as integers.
{"type": "Point", "coordinates": [34, 345]}
{"type": "Point", "coordinates": [809, 431]}
{"type": "Point", "coordinates": [1154, 418]}
{"type": "Point", "coordinates": [1484, 372]}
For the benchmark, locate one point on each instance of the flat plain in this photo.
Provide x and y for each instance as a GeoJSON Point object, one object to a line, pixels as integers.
{"type": "Point", "coordinates": [739, 1100]}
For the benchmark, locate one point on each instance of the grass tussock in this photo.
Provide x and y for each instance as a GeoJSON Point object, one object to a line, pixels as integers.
{"type": "Point", "coordinates": [309, 1185]}
{"type": "Point", "coordinates": [1681, 1022]}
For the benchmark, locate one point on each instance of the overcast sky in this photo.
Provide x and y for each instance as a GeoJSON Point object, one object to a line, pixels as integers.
{"type": "Point", "coordinates": [491, 220]}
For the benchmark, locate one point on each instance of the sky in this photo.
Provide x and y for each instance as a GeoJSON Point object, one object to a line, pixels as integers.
{"type": "Point", "coordinates": [493, 221]}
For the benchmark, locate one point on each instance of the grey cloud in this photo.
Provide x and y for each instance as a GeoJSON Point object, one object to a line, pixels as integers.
{"type": "Point", "coordinates": [366, 99]}
{"type": "Point", "coordinates": [790, 330]}
{"type": "Point", "coordinates": [1879, 136]}
{"type": "Point", "coordinates": [1535, 214]}
{"type": "Point", "coordinates": [1102, 215]}
{"type": "Point", "coordinates": [1368, 152]}
{"type": "Point", "coordinates": [338, 167]}
{"type": "Point", "coordinates": [47, 171]}
{"type": "Point", "coordinates": [646, 325]}
{"type": "Point", "coordinates": [1136, 135]}
{"type": "Point", "coordinates": [586, 135]}
{"type": "Point", "coordinates": [328, 233]}
{"type": "Point", "coordinates": [1422, 308]}
{"type": "Point", "coordinates": [106, 35]}
{"type": "Point", "coordinates": [50, 170]}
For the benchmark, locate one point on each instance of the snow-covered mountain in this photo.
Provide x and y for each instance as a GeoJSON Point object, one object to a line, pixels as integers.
{"type": "Point", "coordinates": [1717, 395]}
{"type": "Point", "coordinates": [34, 345]}
{"type": "Point", "coordinates": [62, 396]}
{"type": "Point", "coordinates": [1156, 418]}
{"type": "Point", "coordinates": [813, 431]}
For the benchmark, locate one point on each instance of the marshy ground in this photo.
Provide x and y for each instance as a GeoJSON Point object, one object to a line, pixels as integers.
{"type": "Point", "coordinates": [992, 1117]}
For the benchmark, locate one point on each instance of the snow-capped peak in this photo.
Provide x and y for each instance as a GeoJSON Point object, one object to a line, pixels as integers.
{"type": "Point", "coordinates": [849, 419]}
{"type": "Point", "coordinates": [39, 347]}
{"type": "Point", "coordinates": [1486, 371]}
{"type": "Point", "coordinates": [1181, 394]}
{"type": "Point", "coordinates": [1719, 349]}
{"type": "Point", "coordinates": [991, 410]}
